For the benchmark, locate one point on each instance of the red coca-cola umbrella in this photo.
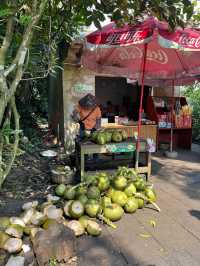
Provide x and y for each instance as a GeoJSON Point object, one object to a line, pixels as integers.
{"type": "Point", "coordinates": [147, 52]}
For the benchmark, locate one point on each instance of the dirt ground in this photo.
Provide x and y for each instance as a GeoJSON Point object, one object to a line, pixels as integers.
{"type": "Point", "coordinates": [30, 178]}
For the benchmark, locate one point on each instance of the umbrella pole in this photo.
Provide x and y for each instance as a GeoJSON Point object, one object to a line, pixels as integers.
{"type": "Point", "coordinates": [171, 153]}
{"type": "Point", "coordinates": [171, 137]}
{"type": "Point", "coordinates": [140, 109]}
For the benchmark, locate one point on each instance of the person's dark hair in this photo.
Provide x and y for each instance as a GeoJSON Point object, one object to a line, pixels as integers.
{"type": "Point", "coordinates": [88, 101]}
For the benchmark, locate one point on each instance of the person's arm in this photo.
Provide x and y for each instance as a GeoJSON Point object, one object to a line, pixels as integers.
{"type": "Point", "coordinates": [76, 114]}
{"type": "Point", "coordinates": [98, 119]}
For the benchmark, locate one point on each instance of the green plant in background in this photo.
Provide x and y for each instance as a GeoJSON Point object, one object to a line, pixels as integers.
{"type": "Point", "coordinates": [52, 262]}
{"type": "Point", "coordinates": [193, 97]}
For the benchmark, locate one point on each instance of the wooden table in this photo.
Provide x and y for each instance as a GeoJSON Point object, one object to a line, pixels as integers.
{"type": "Point", "coordinates": [88, 147]}
{"type": "Point", "coordinates": [147, 131]}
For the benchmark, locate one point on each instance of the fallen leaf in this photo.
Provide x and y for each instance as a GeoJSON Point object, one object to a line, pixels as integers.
{"type": "Point", "coordinates": [145, 235]}
{"type": "Point", "coordinates": [153, 223]}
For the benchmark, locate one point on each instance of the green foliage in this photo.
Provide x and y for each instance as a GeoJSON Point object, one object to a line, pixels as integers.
{"type": "Point", "coordinates": [193, 96]}
{"type": "Point", "coordinates": [32, 103]}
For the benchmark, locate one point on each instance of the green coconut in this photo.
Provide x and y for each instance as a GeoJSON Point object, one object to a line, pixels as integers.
{"type": "Point", "coordinates": [84, 220]}
{"type": "Point", "coordinates": [66, 208]}
{"type": "Point", "coordinates": [93, 228]}
{"type": "Point", "coordinates": [124, 135]}
{"type": "Point", "coordinates": [108, 136]}
{"type": "Point", "coordinates": [93, 192]}
{"type": "Point", "coordinates": [120, 182]}
{"type": "Point", "coordinates": [113, 212]}
{"type": "Point", "coordinates": [4, 223]}
{"type": "Point", "coordinates": [139, 184]}
{"type": "Point", "coordinates": [105, 201]}
{"type": "Point", "coordinates": [103, 183]}
{"type": "Point", "coordinates": [101, 138]}
{"type": "Point", "coordinates": [150, 194]}
{"type": "Point", "coordinates": [131, 205]}
{"type": "Point", "coordinates": [94, 136]}
{"type": "Point", "coordinates": [140, 203]}
{"type": "Point", "coordinates": [119, 197]}
{"type": "Point", "coordinates": [130, 189]}
{"type": "Point", "coordinates": [81, 190]}
{"type": "Point", "coordinates": [83, 199]}
{"type": "Point", "coordinates": [92, 208]}
{"type": "Point", "coordinates": [3, 238]}
{"type": "Point", "coordinates": [110, 192]}
{"type": "Point", "coordinates": [76, 209]}
{"type": "Point", "coordinates": [116, 136]}
{"type": "Point", "coordinates": [69, 193]}
{"type": "Point", "coordinates": [60, 190]}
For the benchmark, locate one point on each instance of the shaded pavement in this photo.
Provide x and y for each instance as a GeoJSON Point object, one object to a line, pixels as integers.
{"type": "Point", "coordinates": [175, 239]}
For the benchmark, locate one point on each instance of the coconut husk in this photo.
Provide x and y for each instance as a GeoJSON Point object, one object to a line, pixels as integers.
{"type": "Point", "coordinates": [15, 230]}
{"type": "Point", "coordinates": [3, 238]}
{"type": "Point", "coordinates": [17, 220]}
{"type": "Point", "coordinates": [48, 223]}
{"type": "Point", "coordinates": [4, 223]}
{"type": "Point", "coordinates": [66, 208]}
{"type": "Point", "coordinates": [76, 227]}
{"type": "Point", "coordinates": [35, 230]}
{"type": "Point", "coordinates": [27, 215]}
{"type": "Point", "coordinates": [38, 218]}
{"type": "Point", "coordinates": [13, 245]}
{"type": "Point", "coordinates": [54, 213]}
{"type": "Point", "coordinates": [27, 229]}
{"type": "Point", "coordinates": [28, 205]}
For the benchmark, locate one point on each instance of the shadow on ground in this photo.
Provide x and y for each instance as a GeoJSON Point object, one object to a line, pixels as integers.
{"type": "Point", "coordinates": [102, 251]}
{"type": "Point", "coordinates": [195, 213]}
{"type": "Point", "coordinates": [182, 172]}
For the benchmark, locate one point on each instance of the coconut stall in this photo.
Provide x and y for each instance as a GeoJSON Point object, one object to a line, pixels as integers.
{"type": "Point", "coordinates": [101, 197]}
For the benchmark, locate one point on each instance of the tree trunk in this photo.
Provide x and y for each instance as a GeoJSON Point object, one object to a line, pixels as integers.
{"type": "Point", "coordinates": [13, 73]}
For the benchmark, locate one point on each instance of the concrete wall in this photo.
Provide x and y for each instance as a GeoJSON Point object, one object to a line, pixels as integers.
{"type": "Point", "coordinates": [77, 82]}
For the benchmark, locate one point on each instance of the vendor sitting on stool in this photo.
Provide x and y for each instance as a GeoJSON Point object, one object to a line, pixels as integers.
{"type": "Point", "coordinates": [88, 114]}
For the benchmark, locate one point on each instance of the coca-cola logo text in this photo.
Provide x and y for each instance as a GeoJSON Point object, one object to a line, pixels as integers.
{"type": "Point", "coordinates": [125, 38]}
{"type": "Point", "coordinates": [158, 56]}
{"type": "Point", "coordinates": [189, 41]}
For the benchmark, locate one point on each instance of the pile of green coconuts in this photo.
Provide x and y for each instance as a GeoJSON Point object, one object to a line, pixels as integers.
{"type": "Point", "coordinates": [105, 197]}
{"type": "Point", "coordinates": [99, 198]}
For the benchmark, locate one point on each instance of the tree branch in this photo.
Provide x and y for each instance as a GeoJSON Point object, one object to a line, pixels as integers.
{"type": "Point", "coordinates": [21, 53]}
{"type": "Point", "coordinates": [4, 173]}
{"type": "Point", "coordinates": [6, 41]}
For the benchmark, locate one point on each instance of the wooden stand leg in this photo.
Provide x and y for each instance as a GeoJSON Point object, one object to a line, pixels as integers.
{"type": "Point", "coordinates": [148, 165]}
{"type": "Point", "coordinates": [136, 161]}
{"type": "Point", "coordinates": [82, 165]}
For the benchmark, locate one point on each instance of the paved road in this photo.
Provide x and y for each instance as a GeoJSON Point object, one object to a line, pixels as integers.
{"type": "Point", "coordinates": [174, 241]}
